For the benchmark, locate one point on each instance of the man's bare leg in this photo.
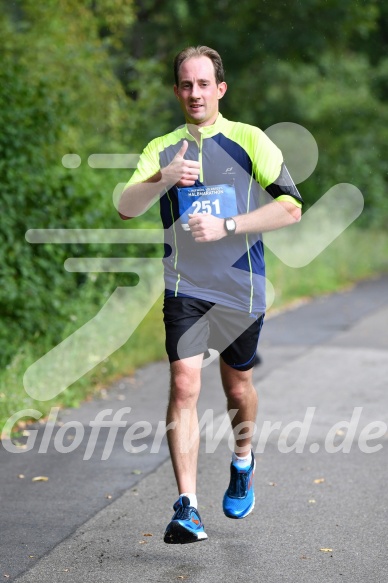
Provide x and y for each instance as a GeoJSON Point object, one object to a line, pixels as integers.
{"type": "Point", "coordinates": [183, 439]}
{"type": "Point", "coordinates": [241, 396]}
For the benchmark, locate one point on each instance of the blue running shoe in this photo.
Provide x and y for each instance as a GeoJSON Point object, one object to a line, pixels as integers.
{"type": "Point", "coordinates": [186, 525]}
{"type": "Point", "coordinates": [239, 499]}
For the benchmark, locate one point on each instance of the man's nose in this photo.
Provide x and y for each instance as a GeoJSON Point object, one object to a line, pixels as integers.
{"type": "Point", "coordinates": [195, 92]}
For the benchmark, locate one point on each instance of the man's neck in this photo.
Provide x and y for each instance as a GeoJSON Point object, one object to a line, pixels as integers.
{"type": "Point", "coordinates": [194, 128]}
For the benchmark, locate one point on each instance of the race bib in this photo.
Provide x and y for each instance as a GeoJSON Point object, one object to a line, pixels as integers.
{"type": "Point", "coordinates": [218, 200]}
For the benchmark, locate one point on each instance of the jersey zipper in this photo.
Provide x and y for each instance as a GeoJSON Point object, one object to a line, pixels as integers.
{"type": "Point", "coordinates": [199, 144]}
{"type": "Point", "coordinates": [200, 159]}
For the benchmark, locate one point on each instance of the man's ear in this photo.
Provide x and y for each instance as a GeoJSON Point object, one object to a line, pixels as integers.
{"type": "Point", "coordinates": [221, 87]}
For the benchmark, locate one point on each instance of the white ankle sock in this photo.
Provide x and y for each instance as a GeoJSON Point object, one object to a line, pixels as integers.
{"type": "Point", "coordinates": [191, 497]}
{"type": "Point", "coordinates": [241, 462]}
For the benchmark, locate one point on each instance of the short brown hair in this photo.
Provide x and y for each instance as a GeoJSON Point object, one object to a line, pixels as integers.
{"type": "Point", "coordinates": [200, 51]}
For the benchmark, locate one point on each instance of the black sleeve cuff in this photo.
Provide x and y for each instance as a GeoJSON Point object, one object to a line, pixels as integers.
{"type": "Point", "coordinates": [284, 185]}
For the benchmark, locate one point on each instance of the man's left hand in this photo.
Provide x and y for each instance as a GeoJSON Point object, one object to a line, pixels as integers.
{"type": "Point", "coordinates": [206, 227]}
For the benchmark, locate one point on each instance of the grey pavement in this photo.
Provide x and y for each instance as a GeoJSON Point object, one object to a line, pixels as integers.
{"type": "Point", "coordinates": [321, 478]}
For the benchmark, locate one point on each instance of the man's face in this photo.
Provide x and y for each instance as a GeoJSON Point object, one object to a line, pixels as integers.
{"type": "Point", "coordinates": [198, 92]}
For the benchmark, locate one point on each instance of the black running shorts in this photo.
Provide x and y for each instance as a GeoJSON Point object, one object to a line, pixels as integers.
{"type": "Point", "coordinates": [194, 326]}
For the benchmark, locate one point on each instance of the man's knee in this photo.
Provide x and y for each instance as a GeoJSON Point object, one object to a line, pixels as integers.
{"type": "Point", "coordinates": [185, 384]}
{"type": "Point", "coordinates": [239, 392]}
{"type": "Point", "coordinates": [237, 384]}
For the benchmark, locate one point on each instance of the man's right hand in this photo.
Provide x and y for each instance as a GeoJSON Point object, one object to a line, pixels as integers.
{"type": "Point", "coordinates": [137, 198]}
{"type": "Point", "coordinates": [181, 172]}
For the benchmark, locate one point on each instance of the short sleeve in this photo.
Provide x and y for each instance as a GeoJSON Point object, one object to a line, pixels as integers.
{"type": "Point", "coordinates": [147, 166]}
{"type": "Point", "coordinates": [267, 158]}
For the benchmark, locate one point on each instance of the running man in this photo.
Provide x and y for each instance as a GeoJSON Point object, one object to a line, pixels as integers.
{"type": "Point", "coordinates": [220, 184]}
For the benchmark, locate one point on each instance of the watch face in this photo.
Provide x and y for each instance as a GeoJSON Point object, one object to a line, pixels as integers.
{"type": "Point", "coordinates": [230, 225]}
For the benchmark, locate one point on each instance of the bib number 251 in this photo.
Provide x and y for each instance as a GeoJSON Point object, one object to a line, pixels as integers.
{"type": "Point", "coordinates": [205, 206]}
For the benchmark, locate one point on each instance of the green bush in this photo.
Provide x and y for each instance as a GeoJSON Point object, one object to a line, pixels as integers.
{"type": "Point", "coordinates": [40, 123]}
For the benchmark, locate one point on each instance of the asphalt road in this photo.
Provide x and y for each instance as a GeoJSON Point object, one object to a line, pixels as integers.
{"type": "Point", "coordinates": [321, 479]}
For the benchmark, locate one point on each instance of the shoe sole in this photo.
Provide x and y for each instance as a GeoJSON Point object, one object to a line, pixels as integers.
{"type": "Point", "coordinates": [243, 515]}
{"type": "Point", "coordinates": [179, 535]}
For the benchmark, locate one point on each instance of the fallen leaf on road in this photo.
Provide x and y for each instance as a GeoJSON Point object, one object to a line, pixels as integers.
{"type": "Point", "coordinates": [142, 542]}
{"type": "Point", "coordinates": [21, 476]}
{"type": "Point", "coordinates": [108, 496]}
{"type": "Point", "coordinates": [312, 501]}
{"type": "Point", "coordinates": [326, 550]}
{"type": "Point", "coordinates": [272, 484]}
{"type": "Point", "coordinates": [319, 480]}
{"type": "Point", "coordinates": [40, 479]}
{"type": "Point", "coordinates": [137, 472]}
{"type": "Point", "coordinates": [6, 575]}
{"type": "Point", "coordinates": [147, 534]}
{"type": "Point", "coordinates": [340, 432]}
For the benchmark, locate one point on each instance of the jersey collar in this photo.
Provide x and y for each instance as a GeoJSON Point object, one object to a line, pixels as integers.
{"type": "Point", "coordinates": [210, 131]}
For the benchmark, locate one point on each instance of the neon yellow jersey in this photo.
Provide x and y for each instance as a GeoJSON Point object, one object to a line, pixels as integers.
{"type": "Point", "coordinates": [229, 271]}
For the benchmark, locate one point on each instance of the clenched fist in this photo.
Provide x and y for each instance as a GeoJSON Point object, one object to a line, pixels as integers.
{"type": "Point", "coordinates": [206, 228]}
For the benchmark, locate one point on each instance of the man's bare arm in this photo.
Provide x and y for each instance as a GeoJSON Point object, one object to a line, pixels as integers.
{"type": "Point", "coordinates": [272, 216]}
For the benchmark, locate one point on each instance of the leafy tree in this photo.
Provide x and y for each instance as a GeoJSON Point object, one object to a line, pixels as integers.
{"type": "Point", "coordinates": [60, 96]}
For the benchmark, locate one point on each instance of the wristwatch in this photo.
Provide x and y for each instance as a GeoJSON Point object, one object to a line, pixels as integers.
{"type": "Point", "coordinates": [230, 226]}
